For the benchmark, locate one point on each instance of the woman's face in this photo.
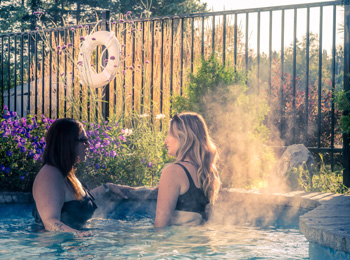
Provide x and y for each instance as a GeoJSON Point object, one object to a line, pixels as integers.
{"type": "Point", "coordinates": [172, 144]}
{"type": "Point", "coordinates": [82, 146]}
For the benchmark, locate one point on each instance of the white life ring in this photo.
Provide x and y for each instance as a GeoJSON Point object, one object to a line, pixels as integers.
{"type": "Point", "coordinates": [88, 76]}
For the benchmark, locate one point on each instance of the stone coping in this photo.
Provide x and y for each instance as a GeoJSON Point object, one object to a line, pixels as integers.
{"type": "Point", "coordinates": [327, 221]}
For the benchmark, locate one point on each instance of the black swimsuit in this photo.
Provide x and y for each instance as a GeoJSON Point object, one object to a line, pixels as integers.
{"type": "Point", "coordinates": [74, 213]}
{"type": "Point", "coordinates": [192, 200]}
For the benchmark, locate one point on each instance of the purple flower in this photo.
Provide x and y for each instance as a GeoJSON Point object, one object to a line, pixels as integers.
{"type": "Point", "coordinates": [112, 58]}
{"type": "Point", "coordinates": [128, 12]}
{"type": "Point", "coordinates": [31, 153]}
{"type": "Point", "coordinates": [2, 168]}
{"type": "Point", "coordinates": [22, 177]}
{"type": "Point", "coordinates": [7, 170]}
{"type": "Point", "coordinates": [112, 154]}
{"type": "Point", "coordinates": [121, 21]}
{"type": "Point", "coordinates": [5, 107]}
{"type": "Point", "coordinates": [149, 165]}
{"type": "Point", "coordinates": [82, 38]}
{"type": "Point", "coordinates": [9, 153]}
{"type": "Point", "coordinates": [122, 138]}
{"type": "Point", "coordinates": [106, 60]}
{"type": "Point", "coordinates": [36, 157]}
{"type": "Point", "coordinates": [98, 145]}
{"type": "Point", "coordinates": [146, 61]}
{"type": "Point", "coordinates": [23, 149]}
{"type": "Point", "coordinates": [143, 160]}
{"type": "Point", "coordinates": [93, 38]}
{"type": "Point", "coordinates": [97, 166]}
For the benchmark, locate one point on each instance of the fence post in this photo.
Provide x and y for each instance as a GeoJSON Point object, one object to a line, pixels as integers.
{"type": "Point", "coordinates": [346, 139]}
{"type": "Point", "coordinates": [105, 27]}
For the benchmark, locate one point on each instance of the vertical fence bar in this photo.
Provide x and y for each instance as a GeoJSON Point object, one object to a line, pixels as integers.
{"type": "Point", "coordinates": [320, 80]}
{"type": "Point", "coordinates": [270, 54]}
{"type": "Point", "coordinates": [202, 50]}
{"type": "Point", "coordinates": [22, 74]}
{"type": "Point", "coordinates": [143, 63]}
{"type": "Point", "coordinates": [124, 69]}
{"type": "Point", "coordinates": [58, 76]}
{"type": "Point", "coordinates": [89, 94]}
{"type": "Point", "coordinates": [15, 74]}
{"type": "Point", "coordinates": [50, 77]}
{"type": "Point", "coordinates": [213, 35]}
{"type": "Point", "coordinates": [152, 68]}
{"type": "Point", "coordinates": [346, 140]}
{"type": "Point", "coordinates": [282, 74]}
{"type": "Point", "coordinates": [2, 74]}
{"type": "Point", "coordinates": [192, 44]}
{"type": "Point", "coordinates": [333, 83]}
{"type": "Point", "coordinates": [36, 75]}
{"type": "Point", "coordinates": [171, 60]}
{"type": "Point", "coordinates": [8, 73]}
{"type": "Point", "coordinates": [161, 68]}
{"type": "Point", "coordinates": [224, 41]}
{"type": "Point", "coordinates": [43, 78]}
{"type": "Point", "coordinates": [182, 56]}
{"type": "Point", "coordinates": [65, 73]}
{"type": "Point", "coordinates": [133, 35]}
{"type": "Point", "coordinates": [29, 78]}
{"type": "Point", "coordinates": [307, 75]}
{"type": "Point", "coordinates": [105, 104]}
{"type": "Point", "coordinates": [246, 46]}
{"type": "Point", "coordinates": [294, 72]}
{"type": "Point", "coordinates": [258, 53]}
{"type": "Point", "coordinates": [235, 43]}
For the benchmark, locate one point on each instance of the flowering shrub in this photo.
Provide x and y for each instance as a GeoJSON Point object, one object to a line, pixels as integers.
{"type": "Point", "coordinates": [116, 154]}
{"type": "Point", "coordinates": [126, 156]}
{"type": "Point", "coordinates": [22, 144]}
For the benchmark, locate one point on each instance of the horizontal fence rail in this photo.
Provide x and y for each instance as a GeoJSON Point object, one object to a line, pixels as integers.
{"type": "Point", "coordinates": [297, 65]}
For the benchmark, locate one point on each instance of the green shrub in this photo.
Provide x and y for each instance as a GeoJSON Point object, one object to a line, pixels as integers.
{"type": "Point", "coordinates": [22, 144]}
{"type": "Point", "coordinates": [236, 120]}
{"type": "Point", "coordinates": [323, 179]}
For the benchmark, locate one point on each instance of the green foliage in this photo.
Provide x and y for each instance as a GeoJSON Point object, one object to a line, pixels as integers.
{"type": "Point", "coordinates": [210, 76]}
{"type": "Point", "coordinates": [22, 143]}
{"type": "Point", "coordinates": [131, 156]}
{"type": "Point", "coordinates": [323, 180]}
{"type": "Point", "coordinates": [342, 102]}
{"type": "Point", "coordinates": [236, 120]}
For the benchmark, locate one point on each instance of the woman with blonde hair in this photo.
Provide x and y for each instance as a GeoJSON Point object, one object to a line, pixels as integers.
{"type": "Point", "coordinates": [187, 186]}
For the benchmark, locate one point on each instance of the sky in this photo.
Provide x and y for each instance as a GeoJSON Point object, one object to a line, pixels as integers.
{"type": "Point", "coordinates": [220, 5]}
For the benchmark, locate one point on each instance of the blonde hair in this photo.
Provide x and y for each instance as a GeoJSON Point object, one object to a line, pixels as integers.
{"type": "Point", "coordinates": [196, 144]}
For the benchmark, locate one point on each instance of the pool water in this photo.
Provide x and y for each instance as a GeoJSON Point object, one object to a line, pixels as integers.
{"type": "Point", "coordinates": [132, 236]}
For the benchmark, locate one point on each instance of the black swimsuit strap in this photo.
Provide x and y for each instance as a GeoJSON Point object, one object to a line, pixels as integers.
{"type": "Point", "coordinates": [188, 174]}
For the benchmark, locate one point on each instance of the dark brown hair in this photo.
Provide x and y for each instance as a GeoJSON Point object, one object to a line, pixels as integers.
{"type": "Point", "coordinates": [61, 149]}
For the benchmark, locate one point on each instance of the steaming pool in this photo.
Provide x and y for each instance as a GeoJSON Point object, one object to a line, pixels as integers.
{"type": "Point", "coordinates": [129, 234]}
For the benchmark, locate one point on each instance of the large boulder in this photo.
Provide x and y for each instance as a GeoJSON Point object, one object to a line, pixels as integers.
{"type": "Point", "coordinates": [296, 158]}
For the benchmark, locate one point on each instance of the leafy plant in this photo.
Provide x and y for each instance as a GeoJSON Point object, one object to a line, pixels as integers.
{"type": "Point", "coordinates": [22, 144]}
{"type": "Point", "coordinates": [323, 180]}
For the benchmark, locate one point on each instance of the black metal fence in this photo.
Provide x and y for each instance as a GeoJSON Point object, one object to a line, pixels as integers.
{"type": "Point", "coordinates": [290, 53]}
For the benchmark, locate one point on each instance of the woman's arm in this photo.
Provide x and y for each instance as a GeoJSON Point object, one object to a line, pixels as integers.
{"type": "Point", "coordinates": [168, 193]}
{"type": "Point", "coordinates": [49, 194]}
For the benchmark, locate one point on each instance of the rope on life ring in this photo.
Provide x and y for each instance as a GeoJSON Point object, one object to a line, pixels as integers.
{"type": "Point", "coordinates": [88, 76]}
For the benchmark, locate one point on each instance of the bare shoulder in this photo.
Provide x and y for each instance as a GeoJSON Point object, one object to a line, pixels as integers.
{"type": "Point", "coordinates": [48, 176]}
{"type": "Point", "coordinates": [171, 169]}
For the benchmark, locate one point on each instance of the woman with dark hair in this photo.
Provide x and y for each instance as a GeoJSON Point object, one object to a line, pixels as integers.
{"type": "Point", "coordinates": [187, 186]}
{"type": "Point", "coordinates": [62, 203]}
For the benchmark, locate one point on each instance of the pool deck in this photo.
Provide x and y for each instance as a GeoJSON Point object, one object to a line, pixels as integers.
{"type": "Point", "coordinates": [326, 223]}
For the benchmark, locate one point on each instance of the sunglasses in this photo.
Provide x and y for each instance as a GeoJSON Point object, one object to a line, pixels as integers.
{"type": "Point", "coordinates": [83, 140]}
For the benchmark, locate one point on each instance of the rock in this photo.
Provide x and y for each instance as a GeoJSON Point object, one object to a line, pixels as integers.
{"type": "Point", "coordinates": [287, 169]}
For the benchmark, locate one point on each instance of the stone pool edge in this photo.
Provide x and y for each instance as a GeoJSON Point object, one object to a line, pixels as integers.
{"type": "Point", "coordinates": [326, 223]}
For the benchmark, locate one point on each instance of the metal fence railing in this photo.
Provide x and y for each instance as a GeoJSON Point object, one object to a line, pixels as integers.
{"type": "Point", "coordinates": [296, 63]}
